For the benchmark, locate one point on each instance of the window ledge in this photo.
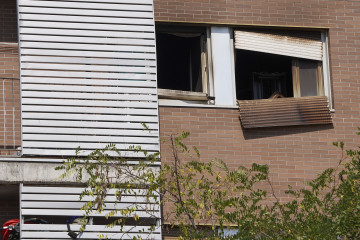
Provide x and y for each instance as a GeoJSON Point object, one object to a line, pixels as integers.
{"type": "Point", "coordinates": [182, 95]}
{"type": "Point", "coordinates": [192, 104]}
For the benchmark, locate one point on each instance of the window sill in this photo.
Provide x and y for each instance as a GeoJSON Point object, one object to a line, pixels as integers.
{"type": "Point", "coordinates": [192, 104]}
{"type": "Point", "coordinates": [182, 95]}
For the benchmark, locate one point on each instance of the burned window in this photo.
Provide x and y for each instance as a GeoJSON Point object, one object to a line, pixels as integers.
{"type": "Point", "coordinates": [286, 64]}
{"type": "Point", "coordinates": [280, 78]}
{"type": "Point", "coordinates": [181, 59]}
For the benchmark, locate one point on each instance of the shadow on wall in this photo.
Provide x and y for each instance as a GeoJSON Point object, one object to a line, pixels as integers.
{"type": "Point", "coordinates": [9, 200]}
{"type": "Point", "coordinates": [255, 133]}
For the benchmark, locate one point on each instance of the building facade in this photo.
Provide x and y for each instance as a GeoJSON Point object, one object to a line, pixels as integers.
{"type": "Point", "coordinates": [256, 81]}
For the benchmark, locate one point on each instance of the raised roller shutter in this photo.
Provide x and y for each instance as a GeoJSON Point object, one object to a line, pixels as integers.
{"type": "Point", "coordinates": [58, 204]}
{"type": "Point", "coordinates": [88, 75]}
{"type": "Point", "coordinates": [299, 44]}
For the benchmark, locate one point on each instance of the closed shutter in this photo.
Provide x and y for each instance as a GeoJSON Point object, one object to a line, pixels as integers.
{"type": "Point", "coordinates": [58, 204]}
{"type": "Point", "coordinates": [88, 75]}
{"type": "Point", "coordinates": [298, 44]}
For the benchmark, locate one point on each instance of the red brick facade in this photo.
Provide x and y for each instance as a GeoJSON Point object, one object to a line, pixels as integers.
{"type": "Point", "coordinates": [294, 154]}
{"type": "Point", "coordinates": [9, 79]}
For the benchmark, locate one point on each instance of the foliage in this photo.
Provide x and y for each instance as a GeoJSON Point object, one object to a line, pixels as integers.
{"type": "Point", "coordinates": [205, 199]}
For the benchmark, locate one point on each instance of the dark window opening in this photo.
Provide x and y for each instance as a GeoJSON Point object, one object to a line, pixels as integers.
{"type": "Point", "coordinates": [261, 75]}
{"type": "Point", "coordinates": [179, 63]}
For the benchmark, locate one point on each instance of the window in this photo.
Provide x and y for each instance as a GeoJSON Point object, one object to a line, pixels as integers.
{"type": "Point", "coordinates": [181, 62]}
{"type": "Point", "coordinates": [287, 63]}
{"type": "Point", "coordinates": [282, 77]}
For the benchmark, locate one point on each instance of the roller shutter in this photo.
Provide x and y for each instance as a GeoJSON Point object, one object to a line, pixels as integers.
{"type": "Point", "coordinates": [297, 44]}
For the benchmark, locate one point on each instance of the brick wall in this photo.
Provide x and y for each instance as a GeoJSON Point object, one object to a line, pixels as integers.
{"type": "Point", "coordinates": [9, 79]}
{"type": "Point", "coordinates": [294, 154]}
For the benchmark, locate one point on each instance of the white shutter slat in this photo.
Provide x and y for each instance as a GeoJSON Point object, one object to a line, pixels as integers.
{"type": "Point", "coordinates": [87, 19]}
{"type": "Point", "coordinates": [94, 89]}
{"type": "Point", "coordinates": [88, 72]}
{"type": "Point", "coordinates": [280, 44]}
{"type": "Point", "coordinates": [87, 33]}
{"type": "Point", "coordinates": [100, 132]}
{"type": "Point", "coordinates": [85, 12]}
{"type": "Point", "coordinates": [90, 118]}
{"type": "Point", "coordinates": [90, 103]}
{"type": "Point", "coordinates": [69, 95]}
{"type": "Point", "coordinates": [87, 67]}
{"type": "Point", "coordinates": [85, 74]}
{"type": "Point", "coordinates": [86, 5]}
{"type": "Point", "coordinates": [83, 60]}
{"type": "Point", "coordinates": [87, 53]}
{"type": "Point", "coordinates": [105, 126]}
{"type": "Point", "coordinates": [90, 228]}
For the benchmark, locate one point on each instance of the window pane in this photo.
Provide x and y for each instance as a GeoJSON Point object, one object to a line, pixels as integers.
{"type": "Point", "coordinates": [308, 78]}
{"type": "Point", "coordinates": [179, 61]}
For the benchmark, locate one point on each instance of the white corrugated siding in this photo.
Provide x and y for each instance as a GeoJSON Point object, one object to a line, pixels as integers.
{"type": "Point", "coordinates": [281, 43]}
{"type": "Point", "coordinates": [51, 203]}
{"type": "Point", "coordinates": [88, 74]}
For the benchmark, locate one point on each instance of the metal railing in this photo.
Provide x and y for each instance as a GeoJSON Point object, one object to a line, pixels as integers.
{"type": "Point", "coordinates": [10, 122]}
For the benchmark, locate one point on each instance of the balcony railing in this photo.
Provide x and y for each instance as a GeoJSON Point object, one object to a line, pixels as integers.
{"type": "Point", "coordinates": [10, 123]}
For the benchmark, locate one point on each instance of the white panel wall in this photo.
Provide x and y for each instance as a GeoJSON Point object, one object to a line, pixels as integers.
{"type": "Point", "coordinates": [58, 204]}
{"type": "Point", "coordinates": [88, 74]}
{"type": "Point", "coordinates": [223, 66]}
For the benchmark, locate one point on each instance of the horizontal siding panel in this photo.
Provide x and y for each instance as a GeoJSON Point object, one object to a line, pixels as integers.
{"type": "Point", "coordinates": [86, 46]}
{"type": "Point", "coordinates": [91, 118]}
{"type": "Point", "coordinates": [88, 131]}
{"type": "Point", "coordinates": [63, 212]}
{"type": "Point", "coordinates": [87, 235]}
{"type": "Point", "coordinates": [86, 26]}
{"type": "Point", "coordinates": [85, 12]}
{"type": "Point", "coordinates": [86, 67]}
{"type": "Point", "coordinates": [88, 53]}
{"type": "Point", "coordinates": [105, 126]}
{"type": "Point", "coordinates": [119, 111]}
{"type": "Point", "coordinates": [103, 75]}
{"type": "Point", "coordinates": [87, 33]}
{"type": "Point", "coordinates": [94, 82]}
{"type": "Point", "coordinates": [88, 72]}
{"type": "Point", "coordinates": [87, 60]}
{"type": "Point", "coordinates": [94, 89]}
{"type": "Point", "coordinates": [78, 205]}
{"type": "Point", "coordinates": [71, 152]}
{"type": "Point", "coordinates": [86, 5]}
{"type": "Point", "coordinates": [86, 146]}
{"type": "Point", "coordinates": [89, 103]}
{"type": "Point", "coordinates": [84, 40]}
{"type": "Point", "coordinates": [77, 190]}
{"type": "Point", "coordinates": [87, 19]}
{"type": "Point", "coordinates": [75, 197]}
{"type": "Point", "coordinates": [70, 95]}
{"type": "Point", "coordinates": [88, 138]}
{"type": "Point", "coordinates": [90, 228]}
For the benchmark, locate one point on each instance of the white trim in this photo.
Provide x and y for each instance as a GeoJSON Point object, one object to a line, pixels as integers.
{"type": "Point", "coordinates": [224, 81]}
{"type": "Point", "coordinates": [191, 104]}
{"type": "Point", "coordinates": [326, 68]}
